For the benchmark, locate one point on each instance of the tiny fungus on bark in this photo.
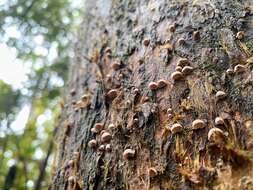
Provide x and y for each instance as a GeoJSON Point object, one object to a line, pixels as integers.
{"type": "Point", "coordinates": [115, 66]}
{"type": "Point", "coordinates": [92, 143]}
{"type": "Point", "coordinates": [146, 41]}
{"type": "Point", "coordinates": [152, 172]}
{"type": "Point", "coordinates": [229, 71]}
{"type": "Point", "coordinates": [128, 103]}
{"type": "Point", "coordinates": [98, 127]}
{"type": "Point", "coordinates": [249, 60]}
{"type": "Point", "coordinates": [72, 92]}
{"type": "Point", "coordinates": [170, 116]}
{"type": "Point", "coordinates": [152, 85]}
{"type": "Point", "coordinates": [198, 124]}
{"type": "Point", "coordinates": [179, 68]}
{"type": "Point", "coordinates": [85, 97]}
{"type": "Point", "coordinates": [176, 128]}
{"type": "Point", "coordinates": [220, 95]}
{"type": "Point", "coordinates": [187, 70]}
{"type": "Point", "coordinates": [196, 35]}
{"type": "Point", "coordinates": [136, 91]}
{"type": "Point", "coordinates": [112, 94]}
{"type": "Point", "coordinates": [101, 148]}
{"type": "Point", "coordinates": [111, 126]}
{"type": "Point", "coordinates": [215, 135]}
{"type": "Point", "coordinates": [108, 50]}
{"type": "Point", "coordinates": [181, 41]}
{"type": "Point", "coordinates": [218, 121]}
{"type": "Point", "coordinates": [106, 137]}
{"type": "Point", "coordinates": [161, 83]}
{"type": "Point", "coordinates": [128, 154]}
{"type": "Point", "coordinates": [182, 62]}
{"type": "Point", "coordinates": [108, 148]}
{"type": "Point", "coordinates": [172, 28]}
{"type": "Point", "coordinates": [177, 75]}
{"type": "Point", "coordinates": [240, 35]}
{"type": "Point", "coordinates": [239, 68]}
{"type": "Point", "coordinates": [169, 110]}
{"type": "Point", "coordinates": [93, 130]}
{"type": "Point", "coordinates": [102, 132]}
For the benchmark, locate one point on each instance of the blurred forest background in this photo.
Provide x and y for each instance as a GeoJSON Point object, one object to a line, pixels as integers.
{"type": "Point", "coordinates": [44, 33]}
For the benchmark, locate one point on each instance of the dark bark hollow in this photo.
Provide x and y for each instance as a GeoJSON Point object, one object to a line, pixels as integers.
{"type": "Point", "coordinates": [147, 40]}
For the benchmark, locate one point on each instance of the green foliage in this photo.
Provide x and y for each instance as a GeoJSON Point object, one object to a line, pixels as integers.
{"type": "Point", "coordinates": [41, 31]}
{"type": "Point", "coordinates": [9, 101]}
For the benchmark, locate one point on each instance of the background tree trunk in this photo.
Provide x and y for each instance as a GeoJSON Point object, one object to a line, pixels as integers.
{"type": "Point", "coordinates": [146, 48]}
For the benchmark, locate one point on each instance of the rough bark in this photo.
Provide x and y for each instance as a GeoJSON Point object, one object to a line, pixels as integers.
{"type": "Point", "coordinates": [142, 40]}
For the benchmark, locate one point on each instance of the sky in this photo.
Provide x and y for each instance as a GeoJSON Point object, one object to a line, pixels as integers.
{"type": "Point", "coordinates": [13, 72]}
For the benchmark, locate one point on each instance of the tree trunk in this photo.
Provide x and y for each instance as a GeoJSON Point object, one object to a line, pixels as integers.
{"type": "Point", "coordinates": [165, 126]}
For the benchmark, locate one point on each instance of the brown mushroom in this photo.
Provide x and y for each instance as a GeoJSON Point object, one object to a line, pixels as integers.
{"type": "Point", "coordinates": [187, 70]}
{"type": "Point", "coordinates": [112, 94]}
{"type": "Point", "coordinates": [240, 35]}
{"type": "Point", "coordinates": [116, 66]}
{"type": "Point", "coordinates": [105, 137]}
{"type": "Point", "coordinates": [161, 83]}
{"type": "Point", "coordinates": [220, 95]}
{"type": "Point", "coordinates": [176, 128]}
{"type": "Point", "coordinates": [239, 68]}
{"type": "Point", "coordinates": [152, 172]}
{"type": "Point", "coordinates": [92, 143]}
{"type": "Point", "coordinates": [128, 154]}
{"type": "Point", "coordinates": [219, 121]}
{"type": "Point", "coordinates": [182, 62]}
{"type": "Point", "coordinates": [153, 86]}
{"type": "Point", "coordinates": [198, 124]}
{"type": "Point", "coordinates": [177, 75]}
{"type": "Point", "coordinates": [215, 135]}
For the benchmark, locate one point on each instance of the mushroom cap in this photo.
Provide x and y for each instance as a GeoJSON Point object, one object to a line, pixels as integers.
{"type": "Point", "coordinates": [105, 137]}
{"type": "Point", "coordinates": [115, 66]}
{"type": "Point", "coordinates": [219, 121]}
{"type": "Point", "coordinates": [198, 124]}
{"type": "Point", "coordinates": [181, 41]}
{"type": "Point", "coordinates": [72, 92]}
{"type": "Point", "coordinates": [179, 68]}
{"type": "Point", "coordinates": [98, 126]}
{"type": "Point", "coordinates": [229, 71]}
{"type": "Point", "coordinates": [187, 70]}
{"type": "Point", "coordinates": [108, 147]}
{"type": "Point", "coordinates": [128, 154]}
{"type": "Point", "coordinates": [220, 94]}
{"type": "Point", "coordinates": [136, 91]}
{"type": "Point", "coordinates": [161, 83]}
{"type": "Point", "coordinates": [111, 126]}
{"type": "Point", "coordinates": [92, 143]}
{"type": "Point", "coordinates": [196, 35]}
{"type": "Point", "coordinates": [169, 110]}
{"type": "Point", "coordinates": [240, 35]}
{"type": "Point", "coordinates": [250, 60]}
{"type": "Point", "coordinates": [152, 172]}
{"type": "Point", "coordinates": [101, 147]}
{"type": "Point", "coordinates": [153, 86]}
{"type": "Point", "coordinates": [108, 50]}
{"type": "Point", "coordinates": [182, 62]}
{"type": "Point", "coordinates": [146, 41]}
{"type": "Point", "coordinates": [112, 93]}
{"type": "Point", "coordinates": [170, 115]}
{"type": "Point", "coordinates": [176, 128]}
{"type": "Point", "coordinates": [177, 75]}
{"type": "Point", "coordinates": [239, 68]}
{"type": "Point", "coordinates": [215, 134]}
